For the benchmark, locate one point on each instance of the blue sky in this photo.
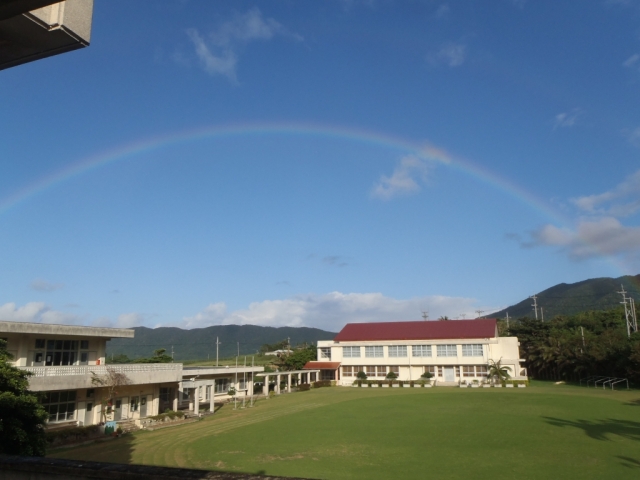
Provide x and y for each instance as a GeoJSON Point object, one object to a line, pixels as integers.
{"type": "Point", "coordinates": [315, 163]}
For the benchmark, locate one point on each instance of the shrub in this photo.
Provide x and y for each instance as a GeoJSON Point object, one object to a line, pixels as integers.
{"type": "Point", "coordinates": [370, 384]}
{"type": "Point", "coordinates": [401, 384]}
{"type": "Point", "coordinates": [412, 384]}
{"type": "Point", "coordinates": [379, 383]}
{"type": "Point", "coordinates": [322, 383]}
{"type": "Point", "coordinates": [167, 414]}
{"type": "Point", "coordinates": [303, 387]}
{"type": "Point", "coordinates": [73, 434]}
{"type": "Point", "coordinates": [427, 375]}
{"type": "Point", "coordinates": [361, 375]}
{"type": "Point", "coordinates": [392, 375]}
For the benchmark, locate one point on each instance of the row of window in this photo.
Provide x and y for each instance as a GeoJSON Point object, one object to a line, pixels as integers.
{"type": "Point", "coordinates": [60, 406]}
{"type": "Point", "coordinates": [401, 351]}
{"type": "Point", "coordinates": [436, 371]}
{"type": "Point", "coordinates": [61, 344]}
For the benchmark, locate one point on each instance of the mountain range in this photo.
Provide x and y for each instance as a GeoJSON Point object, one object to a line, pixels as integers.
{"type": "Point", "coordinates": [572, 298]}
{"type": "Point", "coordinates": [200, 343]}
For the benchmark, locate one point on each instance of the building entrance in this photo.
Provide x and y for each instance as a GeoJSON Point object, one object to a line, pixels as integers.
{"type": "Point", "coordinates": [449, 374]}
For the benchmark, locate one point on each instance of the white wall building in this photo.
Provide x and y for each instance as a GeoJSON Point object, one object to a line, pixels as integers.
{"type": "Point", "coordinates": [452, 351]}
{"type": "Point", "coordinates": [64, 358]}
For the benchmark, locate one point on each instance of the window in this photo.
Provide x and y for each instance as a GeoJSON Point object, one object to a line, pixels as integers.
{"type": "Point", "coordinates": [166, 394]}
{"type": "Point", "coordinates": [421, 351]}
{"type": "Point", "coordinates": [440, 371]}
{"type": "Point", "coordinates": [481, 370]}
{"type": "Point", "coordinates": [84, 357]}
{"type": "Point", "coordinates": [468, 371]}
{"type": "Point", "coordinates": [472, 350]}
{"type": "Point", "coordinates": [40, 342]}
{"type": "Point", "coordinates": [457, 371]}
{"type": "Point", "coordinates": [347, 371]}
{"type": "Point", "coordinates": [60, 406]}
{"type": "Point", "coordinates": [381, 371]}
{"type": "Point", "coordinates": [431, 369]}
{"type": "Point", "coordinates": [61, 352]}
{"type": "Point", "coordinates": [395, 370]}
{"type": "Point", "coordinates": [37, 358]}
{"type": "Point", "coordinates": [222, 385]}
{"type": "Point", "coordinates": [351, 352]}
{"type": "Point", "coordinates": [84, 344]}
{"type": "Point", "coordinates": [242, 384]}
{"type": "Point", "coordinates": [325, 352]}
{"type": "Point", "coordinates": [90, 393]}
{"type": "Point", "coordinates": [447, 351]}
{"type": "Point", "coordinates": [371, 371]}
{"type": "Point", "coordinates": [133, 405]}
{"type": "Point", "coordinates": [374, 352]}
{"type": "Point", "coordinates": [397, 351]}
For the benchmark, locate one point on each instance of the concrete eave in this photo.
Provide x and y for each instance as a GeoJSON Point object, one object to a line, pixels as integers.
{"type": "Point", "coordinates": [66, 330]}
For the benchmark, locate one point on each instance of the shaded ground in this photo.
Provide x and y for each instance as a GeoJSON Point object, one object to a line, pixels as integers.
{"type": "Point", "coordinates": [546, 431]}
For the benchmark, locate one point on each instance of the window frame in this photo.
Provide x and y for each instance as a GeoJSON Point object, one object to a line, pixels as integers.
{"type": "Point", "coordinates": [418, 351]}
{"type": "Point", "coordinates": [446, 350]}
{"type": "Point", "coordinates": [351, 350]}
{"type": "Point", "coordinates": [471, 350]}
{"type": "Point", "coordinates": [396, 351]}
{"type": "Point", "coordinates": [374, 351]}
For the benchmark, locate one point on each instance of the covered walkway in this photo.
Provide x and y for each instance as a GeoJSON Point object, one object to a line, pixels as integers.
{"type": "Point", "coordinates": [304, 376]}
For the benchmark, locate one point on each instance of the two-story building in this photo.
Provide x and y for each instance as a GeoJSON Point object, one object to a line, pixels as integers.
{"type": "Point", "coordinates": [452, 351]}
{"type": "Point", "coordinates": [65, 360]}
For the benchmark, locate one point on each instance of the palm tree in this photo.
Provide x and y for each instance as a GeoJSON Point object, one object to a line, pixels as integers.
{"type": "Point", "coordinates": [497, 370]}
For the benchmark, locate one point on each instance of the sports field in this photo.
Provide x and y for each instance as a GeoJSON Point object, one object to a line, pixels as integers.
{"type": "Point", "coordinates": [542, 432]}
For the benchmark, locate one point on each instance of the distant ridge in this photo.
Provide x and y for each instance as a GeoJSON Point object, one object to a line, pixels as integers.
{"type": "Point", "coordinates": [572, 298]}
{"type": "Point", "coordinates": [198, 343]}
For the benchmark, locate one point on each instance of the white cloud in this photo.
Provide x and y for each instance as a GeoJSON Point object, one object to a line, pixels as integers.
{"type": "Point", "coordinates": [332, 311]}
{"type": "Point", "coordinates": [633, 136]}
{"type": "Point", "coordinates": [450, 54]}
{"type": "Point", "coordinates": [621, 201]}
{"type": "Point", "coordinates": [41, 285]}
{"type": "Point", "coordinates": [605, 236]}
{"type": "Point", "coordinates": [404, 180]}
{"type": "Point", "coordinates": [37, 312]}
{"type": "Point", "coordinates": [129, 320]}
{"type": "Point", "coordinates": [218, 51]}
{"type": "Point", "coordinates": [567, 119]}
{"type": "Point", "coordinates": [632, 60]}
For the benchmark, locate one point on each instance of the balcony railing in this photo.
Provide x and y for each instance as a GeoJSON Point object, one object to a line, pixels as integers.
{"type": "Point", "coordinates": [102, 369]}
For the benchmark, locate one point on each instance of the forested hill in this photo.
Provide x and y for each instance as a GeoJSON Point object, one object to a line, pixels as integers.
{"type": "Point", "coordinates": [572, 298]}
{"type": "Point", "coordinates": [199, 343]}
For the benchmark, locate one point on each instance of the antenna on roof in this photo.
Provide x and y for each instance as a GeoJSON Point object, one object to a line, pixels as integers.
{"type": "Point", "coordinates": [425, 315]}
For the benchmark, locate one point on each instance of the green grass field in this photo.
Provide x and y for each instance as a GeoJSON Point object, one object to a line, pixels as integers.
{"type": "Point", "coordinates": [542, 432]}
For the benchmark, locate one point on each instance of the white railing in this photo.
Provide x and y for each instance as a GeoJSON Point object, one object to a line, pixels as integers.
{"type": "Point", "coordinates": [101, 369]}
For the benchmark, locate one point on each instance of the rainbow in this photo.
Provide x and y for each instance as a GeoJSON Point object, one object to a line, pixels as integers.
{"type": "Point", "coordinates": [422, 150]}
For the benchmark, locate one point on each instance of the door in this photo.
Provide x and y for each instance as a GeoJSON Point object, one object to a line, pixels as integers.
{"type": "Point", "coordinates": [88, 414]}
{"type": "Point", "coordinates": [134, 404]}
{"type": "Point", "coordinates": [449, 375]}
{"type": "Point", "coordinates": [117, 413]}
{"type": "Point", "coordinates": [143, 406]}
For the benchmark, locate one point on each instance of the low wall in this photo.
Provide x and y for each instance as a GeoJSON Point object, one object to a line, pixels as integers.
{"type": "Point", "coordinates": [35, 468]}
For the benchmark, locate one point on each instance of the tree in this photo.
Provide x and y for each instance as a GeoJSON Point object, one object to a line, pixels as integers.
{"type": "Point", "coordinates": [297, 359]}
{"type": "Point", "coordinates": [361, 375]}
{"type": "Point", "coordinates": [392, 376]}
{"type": "Point", "coordinates": [444, 318]}
{"type": "Point", "coordinates": [112, 380]}
{"type": "Point", "coordinates": [22, 417]}
{"type": "Point", "coordinates": [159, 356]}
{"type": "Point", "coordinates": [497, 370]}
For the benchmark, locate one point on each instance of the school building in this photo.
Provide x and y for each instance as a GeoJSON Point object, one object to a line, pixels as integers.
{"type": "Point", "coordinates": [63, 359]}
{"type": "Point", "coordinates": [453, 351]}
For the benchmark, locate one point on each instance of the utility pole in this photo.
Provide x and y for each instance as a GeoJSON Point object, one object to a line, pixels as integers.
{"type": "Point", "coordinates": [627, 315]}
{"type": "Point", "coordinates": [244, 377]}
{"type": "Point", "coordinates": [479, 312]}
{"type": "Point", "coordinates": [542, 313]}
{"type": "Point", "coordinates": [535, 304]}
{"type": "Point", "coordinates": [634, 318]}
{"type": "Point", "coordinates": [253, 382]}
{"type": "Point", "coordinates": [507, 320]}
{"type": "Point", "coordinates": [582, 331]}
{"type": "Point", "coordinates": [463, 315]}
{"type": "Point", "coordinates": [425, 315]}
{"type": "Point", "coordinates": [171, 353]}
{"type": "Point", "coordinates": [217, 343]}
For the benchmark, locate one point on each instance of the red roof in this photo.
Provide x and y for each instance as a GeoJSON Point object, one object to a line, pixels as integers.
{"type": "Point", "coordinates": [429, 330]}
{"type": "Point", "coordinates": [321, 365]}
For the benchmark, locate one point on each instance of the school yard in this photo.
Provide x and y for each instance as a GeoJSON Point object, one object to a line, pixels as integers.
{"type": "Point", "coordinates": [541, 432]}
